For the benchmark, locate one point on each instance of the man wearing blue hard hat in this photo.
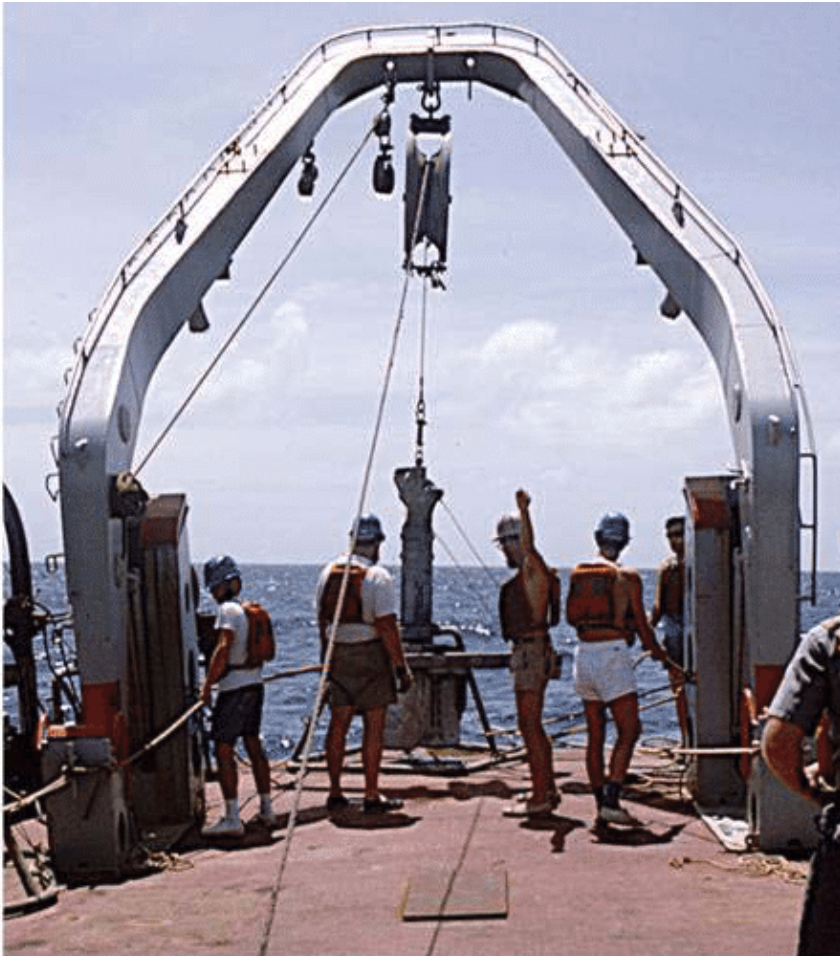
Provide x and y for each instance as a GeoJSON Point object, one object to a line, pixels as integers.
{"type": "Point", "coordinates": [356, 608]}
{"type": "Point", "coordinates": [605, 607]}
{"type": "Point", "coordinates": [237, 711]}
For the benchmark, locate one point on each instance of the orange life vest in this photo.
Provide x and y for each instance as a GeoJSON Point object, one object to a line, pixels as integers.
{"type": "Point", "coordinates": [351, 609]}
{"type": "Point", "coordinates": [592, 601]}
{"type": "Point", "coordinates": [261, 645]}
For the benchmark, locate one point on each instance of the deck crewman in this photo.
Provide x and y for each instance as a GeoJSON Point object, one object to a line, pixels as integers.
{"type": "Point", "coordinates": [529, 603]}
{"type": "Point", "coordinates": [367, 660]}
{"type": "Point", "coordinates": [605, 606]}
{"type": "Point", "coordinates": [668, 613]}
{"type": "Point", "coordinates": [239, 703]}
{"type": "Point", "coordinates": [808, 702]}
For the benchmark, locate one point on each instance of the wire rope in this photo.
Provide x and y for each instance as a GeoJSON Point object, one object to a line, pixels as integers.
{"type": "Point", "coordinates": [453, 876]}
{"type": "Point", "coordinates": [420, 415]}
{"type": "Point", "coordinates": [322, 683]}
{"type": "Point", "coordinates": [199, 383]}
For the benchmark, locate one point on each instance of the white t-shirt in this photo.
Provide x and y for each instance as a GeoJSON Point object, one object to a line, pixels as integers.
{"type": "Point", "coordinates": [378, 599]}
{"type": "Point", "coordinates": [232, 617]}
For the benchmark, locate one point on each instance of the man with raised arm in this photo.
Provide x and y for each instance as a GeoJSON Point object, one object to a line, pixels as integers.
{"type": "Point", "coordinates": [529, 603]}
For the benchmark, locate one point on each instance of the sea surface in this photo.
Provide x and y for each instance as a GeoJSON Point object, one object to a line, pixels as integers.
{"type": "Point", "coordinates": [465, 599]}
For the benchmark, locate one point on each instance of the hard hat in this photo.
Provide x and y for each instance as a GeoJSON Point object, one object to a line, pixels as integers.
{"type": "Point", "coordinates": [613, 527]}
{"type": "Point", "coordinates": [220, 569]}
{"type": "Point", "coordinates": [509, 526]}
{"type": "Point", "coordinates": [368, 530]}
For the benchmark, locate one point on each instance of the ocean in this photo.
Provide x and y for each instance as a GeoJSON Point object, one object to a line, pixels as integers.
{"type": "Point", "coordinates": [464, 599]}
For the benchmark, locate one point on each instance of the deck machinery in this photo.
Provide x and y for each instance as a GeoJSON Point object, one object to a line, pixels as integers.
{"type": "Point", "coordinates": [128, 575]}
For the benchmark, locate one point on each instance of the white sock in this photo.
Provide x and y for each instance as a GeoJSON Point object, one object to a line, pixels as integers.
{"type": "Point", "coordinates": [232, 810]}
{"type": "Point", "coordinates": [265, 803]}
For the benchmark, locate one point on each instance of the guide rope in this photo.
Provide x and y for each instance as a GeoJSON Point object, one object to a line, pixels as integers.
{"type": "Point", "coordinates": [451, 883]}
{"type": "Point", "coordinates": [199, 383]}
{"type": "Point", "coordinates": [322, 684]}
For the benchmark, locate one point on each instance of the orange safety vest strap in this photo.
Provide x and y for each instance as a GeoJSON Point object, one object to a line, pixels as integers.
{"type": "Point", "coordinates": [351, 610]}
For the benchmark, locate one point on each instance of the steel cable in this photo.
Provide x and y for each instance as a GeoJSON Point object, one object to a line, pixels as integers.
{"type": "Point", "coordinates": [253, 307]}
{"type": "Point", "coordinates": [322, 684]}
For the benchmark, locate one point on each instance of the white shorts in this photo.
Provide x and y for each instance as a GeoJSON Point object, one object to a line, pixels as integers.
{"type": "Point", "coordinates": [604, 671]}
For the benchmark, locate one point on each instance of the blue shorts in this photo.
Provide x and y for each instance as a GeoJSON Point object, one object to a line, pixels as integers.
{"type": "Point", "coordinates": [237, 713]}
{"type": "Point", "coordinates": [671, 629]}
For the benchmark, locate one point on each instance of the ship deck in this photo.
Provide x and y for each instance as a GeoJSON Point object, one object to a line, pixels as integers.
{"type": "Point", "coordinates": [449, 874]}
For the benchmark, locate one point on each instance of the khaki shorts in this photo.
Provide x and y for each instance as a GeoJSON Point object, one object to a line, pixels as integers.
{"type": "Point", "coordinates": [532, 664]}
{"type": "Point", "coordinates": [361, 676]}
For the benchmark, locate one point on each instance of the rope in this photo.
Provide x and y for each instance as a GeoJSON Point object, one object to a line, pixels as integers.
{"type": "Point", "coordinates": [322, 684]}
{"type": "Point", "coordinates": [467, 541]}
{"type": "Point", "coordinates": [52, 787]}
{"type": "Point", "coordinates": [420, 414]}
{"type": "Point", "coordinates": [165, 734]}
{"type": "Point", "coordinates": [250, 311]}
{"type": "Point", "coordinates": [462, 573]}
{"type": "Point", "coordinates": [65, 778]}
{"type": "Point", "coordinates": [790, 871]}
{"type": "Point", "coordinates": [306, 669]}
{"type": "Point", "coordinates": [453, 877]}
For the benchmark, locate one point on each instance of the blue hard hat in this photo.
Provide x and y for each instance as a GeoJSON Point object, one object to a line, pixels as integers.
{"type": "Point", "coordinates": [220, 569]}
{"type": "Point", "coordinates": [368, 530]}
{"type": "Point", "coordinates": [613, 527]}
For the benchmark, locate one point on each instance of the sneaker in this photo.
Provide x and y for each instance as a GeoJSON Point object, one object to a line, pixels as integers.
{"type": "Point", "coordinates": [616, 815]}
{"type": "Point", "coordinates": [224, 828]}
{"type": "Point", "coordinates": [337, 803]}
{"type": "Point", "coordinates": [270, 819]}
{"type": "Point", "coordinates": [529, 810]}
{"type": "Point", "coordinates": [383, 805]}
{"type": "Point", "coordinates": [553, 798]}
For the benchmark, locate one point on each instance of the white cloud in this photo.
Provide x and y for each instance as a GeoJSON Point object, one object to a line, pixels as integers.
{"type": "Point", "coordinates": [265, 364]}
{"type": "Point", "coordinates": [552, 393]}
{"type": "Point", "coordinates": [518, 341]}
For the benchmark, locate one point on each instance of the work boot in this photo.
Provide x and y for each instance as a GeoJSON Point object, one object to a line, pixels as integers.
{"type": "Point", "coordinates": [616, 815]}
{"type": "Point", "coordinates": [610, 810]}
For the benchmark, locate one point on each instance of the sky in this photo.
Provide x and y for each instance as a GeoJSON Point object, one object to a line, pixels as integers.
{"type": "Point", "coordinates": [546, 363]}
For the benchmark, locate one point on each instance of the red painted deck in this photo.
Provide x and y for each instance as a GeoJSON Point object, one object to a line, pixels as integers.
{"type": "Point", "coordinates": [667, 889]}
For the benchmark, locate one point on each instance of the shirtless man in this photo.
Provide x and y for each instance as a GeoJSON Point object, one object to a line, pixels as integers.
{"type": "Point", "coordinates": [668, 613]}
{"type": "Point", "coordinates": [529, 603]}
{"type": "Point", "coordinates": [605, 606]}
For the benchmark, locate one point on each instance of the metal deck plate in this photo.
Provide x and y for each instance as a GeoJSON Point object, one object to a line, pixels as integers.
{"type": "Point", "coordinates": [474, 895]}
